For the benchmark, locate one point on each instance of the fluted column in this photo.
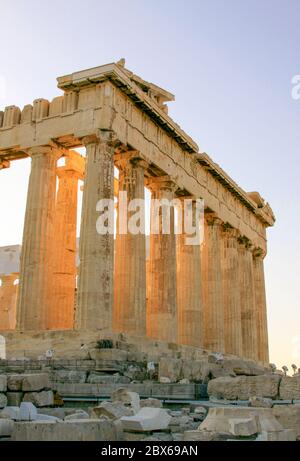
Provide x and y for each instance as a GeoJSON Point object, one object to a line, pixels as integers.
{"type": "Point", "coordinates": [130, 256]}
{"type": "Point", "coordinates": [247, 300]}
{"type": "Point", "coordinates": [190, 315]}
{"type": "Point", "coordinates": [261, 307]}
{"type": "Point", "coordinates": [35, 267]}
{"type": "Point", "coordinates": [8, 300]}
{"type": "Point", "coordinates": [213, 319]}
{"type": "Point", "coordinates": [231, 292]}
{"type": "Point", "coordinates": [96, 250]}
{"type": "Point", "coordinates": [61, 314]}
{"type": "Point", "coordinates": [162, 301]}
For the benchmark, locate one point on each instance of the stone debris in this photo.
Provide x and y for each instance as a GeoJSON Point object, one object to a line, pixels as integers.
{"type": "Point", "coordinates": [112, 410]}
{"type": "Point", "coordinates": [40, 399]}
{"type": "Point", "coordinates": [131, 399]}
{"type": "Point", "coordinates": [147, 419]}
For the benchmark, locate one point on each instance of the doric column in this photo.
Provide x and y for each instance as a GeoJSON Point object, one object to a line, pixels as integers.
{"type": "Point", "coordinates": [231, 292]}
{"type": "Point", "coordinates": [61, 315]}
{"type": "Point", "coordinates": [162, 302]}
{"type": "Point", "coordinates": [261, 306]}
{"type": "Point", "coordinates": [35, 286]}
{"type": "Point", "coordinates": [247, 300]}
{"type": "Point", "coordinates": [189, 300]}
{"type": "Point", "coordinates": [96, 249]}
{"type": "Point", "coordinates": [8, 300]}
{"type": "Point", "coordinates": [213, 318]}
{"type": "Point", "coordinates": [130, 256]}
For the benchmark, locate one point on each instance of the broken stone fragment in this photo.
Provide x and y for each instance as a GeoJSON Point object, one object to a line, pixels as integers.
{"type": "Point", "coordinates": [112, 410]}
{"type": "Point", "coordinates": [40, 399]}
{"type": "Point", "coordinates": [127, 397]}
{"type": "Point", "coordinates": [147, 419]}
{"type": "Point", "coordinates": [244, 427]}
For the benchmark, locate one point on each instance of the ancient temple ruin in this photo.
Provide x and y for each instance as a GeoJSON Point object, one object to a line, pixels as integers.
{"type": "Point", "coordinates": [210, 296]}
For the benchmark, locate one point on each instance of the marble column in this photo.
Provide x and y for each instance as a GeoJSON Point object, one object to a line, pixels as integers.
{"type": "Point", "coordinates": [231, 292]}
{"type": "Point", "coordinates": [247, 300]}
{"type": "Point", "coordinates": [130, 256]}
{"type": "Point", "coordinates": [162, 301]}
{"type": "Point", "coordinates": [213, 309]}
{"type": "Point", "coordinates": [61, 315]}
{"type": "Point", "coordinates": [261, 307]}
{"type": "Point", "coordinates": [34, 298]}
{"type": "Point", "coordinates": [8, 300]}
{"type": "Point", "coordinates": [190, 315]}
{"type": "Point", "coordinates": [96, 250]}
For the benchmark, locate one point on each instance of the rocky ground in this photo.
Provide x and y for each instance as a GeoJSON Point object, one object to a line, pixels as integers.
{"type": "Point", "coordinates": [171, 399]}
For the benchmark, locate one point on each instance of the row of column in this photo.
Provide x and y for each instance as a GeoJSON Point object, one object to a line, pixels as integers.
{"type": "Point", "coordinates": [211, 296]}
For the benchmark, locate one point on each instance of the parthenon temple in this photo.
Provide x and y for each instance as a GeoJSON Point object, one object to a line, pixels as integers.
{"type": "Point", "coordinates": [209, 296]}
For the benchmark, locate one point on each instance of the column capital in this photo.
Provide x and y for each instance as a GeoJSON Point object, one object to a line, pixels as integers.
{"type": "Point", "coordinates": [130, 158]}
{"type": "Point", "coordinates": [4, 164]}
{"type": "Point", "coordinates": [99, 136]}
{"type": "Point", "coordinates": [155, 183]}
{"type": "Point", "coordinates": [245, 242]}
{"type": "Point", "coordinates": [212, 219]}
{"type": "Point", "coordinates": [37, 151]}
{"type": "Point", "coordinates": [258, 253]}
{"type": "Point", "coordinates": [230, 232]}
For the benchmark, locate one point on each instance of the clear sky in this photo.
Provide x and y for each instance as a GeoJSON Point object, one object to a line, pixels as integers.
{"type": "Point", "coordinates": [230, 65]}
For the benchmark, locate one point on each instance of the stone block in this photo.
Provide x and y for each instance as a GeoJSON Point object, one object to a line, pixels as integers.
{"type": "Point", "coordinates": [14, 399]}
{"type": "Point", "coordinates": [35, 382]}
{"type": "Point", "coordinates": [170, 368]}
{"type": "Point", "coordinates": [10, 412]}
{"type": "Point", "coordinates": [14, 382]}
{"type": "Point", "coordinates": [199, 436]}
{"type": "Point", "coordinates": [112, 410]}
{"type": "Point", "coordinates": [6, 427]}
{"type": "Point", "coordinates": [127, 397]}
{"type": "Point", "coordinates": [288, 416]}
{"type": "Point", "coordinates": [28, 412]}
{"type": "Point", "coordinates": [244, 387]}
{"type": "Point", "coordinates": [3, 400]}
{"type": "Point", "coordinates": [218, 418]}
{"type": "Point", "coordinates": [147, 419]}
{"type": "Point", "coordinates": [79, 431]}
{"type": "Point", "coordinates": [97, 378]}
{"type": "Point", "coordinates": [289, 388]}
{"type": "Point", "coordinates": [40, 399]}
{"type": "Point", "coordinates": [243, 427]}
{"type": "Point", "coordinates": [70, 376]}
{"type": "Point", "coordinates": [3, 383]}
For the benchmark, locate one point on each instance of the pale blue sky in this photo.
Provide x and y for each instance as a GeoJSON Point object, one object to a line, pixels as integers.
{"type": "Point", "coordinates": [230, 65]}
